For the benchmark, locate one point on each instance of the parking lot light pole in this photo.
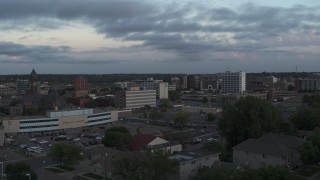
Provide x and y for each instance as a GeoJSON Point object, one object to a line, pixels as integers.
{"type": "Point", "coordinates": [29, 176]}
{"type": "Point", "coordinates": [105, 166]}
{"type": "Point", "coordinates": [1, 170]}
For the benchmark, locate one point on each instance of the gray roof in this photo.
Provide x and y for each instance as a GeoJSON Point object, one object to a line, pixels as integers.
{"type": "Point", "coordinates": [270, 144]}
{"type": "Point", "coordinates": [190, 155]}
{"type": "Point", "coordinates": [262, 147]}
{"type": "Point", "coordinates": [289, 141]}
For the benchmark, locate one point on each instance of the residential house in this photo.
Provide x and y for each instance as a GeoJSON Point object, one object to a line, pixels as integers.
{"type": "Point", "coordinates": [144, 142]}
{"type": "Point", "coordinates": [268, 150]}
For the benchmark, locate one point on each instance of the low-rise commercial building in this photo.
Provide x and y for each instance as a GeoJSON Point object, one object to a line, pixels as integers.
{"type": "Point", "coordinates": [58, 120]}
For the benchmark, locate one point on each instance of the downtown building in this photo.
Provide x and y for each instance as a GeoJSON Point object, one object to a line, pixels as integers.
{"type": "Point", "coordinates": [134, 98]}
{"type": "Point", "coordinates": [161, 87]}
{"type": "Point", "coordinates": [309, 84]}
{"type": "Point", "coordinates": [233, 82]}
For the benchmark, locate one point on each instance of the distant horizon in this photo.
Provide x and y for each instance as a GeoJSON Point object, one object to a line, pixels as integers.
{"type": "Point", "coordinates": [159, 73]}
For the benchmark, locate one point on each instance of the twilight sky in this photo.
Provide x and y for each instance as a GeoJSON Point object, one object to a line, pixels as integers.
{"type": "Point", "coordinates": [158, 36]}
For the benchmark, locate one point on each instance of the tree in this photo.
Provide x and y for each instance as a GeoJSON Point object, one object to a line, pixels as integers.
{"type": "Point", "coordinates": [310, 150]}
{"type": "Point", "coordinates": [18, 171]}
{"type": "Point", "coordinates": [181, 118]}
{"type": "Point", "coordinates": [311, 99]}
{"type": "Point", "coordinates": [250, 117]}
{"type": "Point", "coordinates": [211, 117]}
{"type": "Point", "coordinates": [149, 166]}
{"type": "Point", "coordinates": [91, 104]}
{"type": "Point", "coordinates": [219, 172]}
{"type": "Point", "coordinates": [227, 173]}
{"type": "Point", "coordinates": [138, 131]}
{"type": "Point", "coordinates": [205, 99]}
{"type": "Point", "coordinates": [118, 137]}
{"type": "Point", "coordinates": [175, 96]}
{"type": "Point", "coordinates": [306, 118]}
{"type": "Point", "coordinates": [64, 153]}
{"type": "Point", "coordinates": [217, 147]}
{"type": "Point", "coordinates": [290, 88]}
{"type": "Point", "coordinates": [156, 115]}
{"type": "Point", "coordinates": [164, 104]}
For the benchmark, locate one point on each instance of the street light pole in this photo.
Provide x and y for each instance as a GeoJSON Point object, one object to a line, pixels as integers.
{"type": "Point", "coordinates": [29, 176]}
{"type": "Point", "coordinates": [105, 166]}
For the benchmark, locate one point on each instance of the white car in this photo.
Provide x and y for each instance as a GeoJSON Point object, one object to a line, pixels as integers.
{"type": "Point", "coordinates": [43, 142]}
{"type": "Point", "coordinates": [210, 139]}
{"type": "Point", "coordinates": [98, 138]}
{"type": "Point", "coordinates": [32, 140]}
{"type": "Point", "coordinates": [22, 146]}
{"type": "Point", "coordinates": [76, 139]}
{"type": "Point", "coordinates": [35, 149]}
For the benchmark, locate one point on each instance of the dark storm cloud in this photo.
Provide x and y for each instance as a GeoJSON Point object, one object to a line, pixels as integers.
{"type": "Point", "coordinates": [186, 29]}
{"type": "Point", "coordinates": [18, 53]}
{"type": "Point", "coordinates": [22, 53]}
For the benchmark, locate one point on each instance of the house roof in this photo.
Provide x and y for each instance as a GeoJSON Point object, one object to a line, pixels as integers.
{"type": "Point", "coordinates": [191, 155]}
{"type": "Point", "coordinates": [140, 141]}
{"type": "Point", "coordinates": [262, 147]}
{"type": "Point", "coordinates": [270, 144]}
{"type": "Point", "coordinates": [289, 141]}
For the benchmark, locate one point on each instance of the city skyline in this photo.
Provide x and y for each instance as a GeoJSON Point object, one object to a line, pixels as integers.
{"type": "Point", "coordinates": [105, 37]}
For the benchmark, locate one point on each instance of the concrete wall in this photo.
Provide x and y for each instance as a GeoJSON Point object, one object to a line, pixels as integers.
{"type": "Point", "coordinates": [72, 122]}
{"type": "Point", "coordinates": [1, 136]}
{"type": "Point", "coordinates": [254, 160]}
{"type": "Point", "coordinates": [11, 126]}
{"type": "Point", "coordinates": [114, 116]}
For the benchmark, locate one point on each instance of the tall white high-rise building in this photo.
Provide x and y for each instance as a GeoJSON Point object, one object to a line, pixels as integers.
{"type": "Point", "coordinates": [233, 82]}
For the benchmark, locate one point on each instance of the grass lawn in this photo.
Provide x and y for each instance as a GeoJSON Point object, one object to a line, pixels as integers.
{"type": "Point", "coordinates": [2, 159]}
{"type": "Point", "coordinates": [93, 176]}
{"type": "Point", "coordinates": [80, 178]}
{"type": "Point", "coordinates": [307, 171]}
{"type": "Point", "coordinates": [295, 177]}
{"type": "Point", "coordinates": [55, 170]}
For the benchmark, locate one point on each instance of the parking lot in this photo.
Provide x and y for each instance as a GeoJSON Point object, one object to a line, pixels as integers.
{"type": "Point", "coordinates": [40, 144]}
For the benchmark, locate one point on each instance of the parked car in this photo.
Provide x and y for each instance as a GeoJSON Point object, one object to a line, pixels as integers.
{"type": "Point", "coordinates": [35, 149]}
{"type": "Point", "coordinates": [43, 142]}
{"type": "Point", "coordinates": [23, 146]}
{"type": "Point", "coordinates": [98, 138]}
{"type": "Point", "coordinates": [197, 140]}
{"type": "Point", "coordinates": [76, 139]}
{"type": "Point", "coordinates": [32, 139]}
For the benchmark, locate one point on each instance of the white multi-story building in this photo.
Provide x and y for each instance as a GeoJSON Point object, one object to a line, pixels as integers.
{"type": "Point", "coordinates": [135, 98]}
{"type": "Point", "coordinates": [191, 162]}
{"type": "Point", "coordinates": [163, 90]}
{"type": "Point", "coordinates": [233, 82]}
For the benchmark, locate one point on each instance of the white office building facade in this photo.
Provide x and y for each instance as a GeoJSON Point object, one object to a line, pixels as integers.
{"type": "Point", "coordinates": [138, 99]}
{"type": "Point", "coordinates": [233, 82]}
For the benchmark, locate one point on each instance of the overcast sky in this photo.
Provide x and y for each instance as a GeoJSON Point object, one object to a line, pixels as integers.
{"type": "Point", "coordinates": [158, 36]}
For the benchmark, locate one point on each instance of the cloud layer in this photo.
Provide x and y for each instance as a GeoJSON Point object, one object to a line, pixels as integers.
{"type": "Point", "coordinates": [187, 32]}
